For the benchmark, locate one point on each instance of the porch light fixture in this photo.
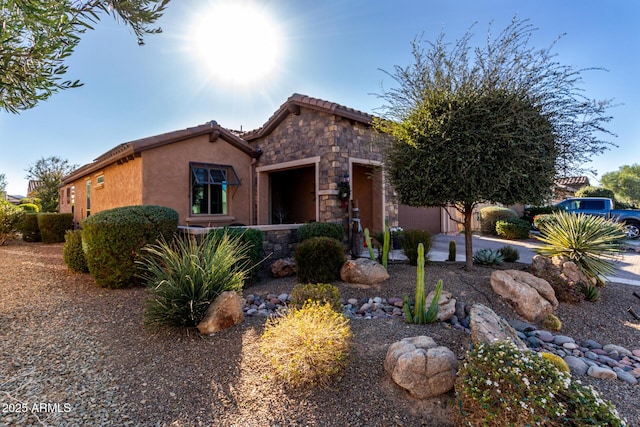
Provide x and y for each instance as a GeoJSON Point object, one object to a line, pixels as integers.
{"type": "Point", "coordinates": [344, 190]}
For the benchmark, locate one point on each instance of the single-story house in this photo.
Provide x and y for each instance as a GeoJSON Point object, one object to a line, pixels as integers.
{"type": "Point", "coordinates": [288, 171]}
{"type": "Point", "coordinates": [566, 187]}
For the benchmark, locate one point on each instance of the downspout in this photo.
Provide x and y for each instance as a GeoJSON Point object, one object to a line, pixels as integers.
{"type": "Point", "coordinates": [252, 198]}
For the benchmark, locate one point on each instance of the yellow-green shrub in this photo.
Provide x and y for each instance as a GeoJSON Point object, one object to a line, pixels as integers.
{"type": "Point", "coordinates": [72, 252]}
{"type": "Point", "coordinates": [53, 226]}
{"type": "Point", "coordinates": [491, 214]}
{"type": "Point", "coordinates": [309, 345]}
{"type": "Point", "coordinates": [557, 361]}
{"type": "Point", "coordinates": [319, 259]}
{"type": "Point", "coordinates": [316, 292]}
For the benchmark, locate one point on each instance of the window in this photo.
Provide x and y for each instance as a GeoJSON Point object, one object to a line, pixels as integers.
{"type": "Point", "coordinates": [209, 188]}
{"type": "Point", "coordinates": [88, 197]}
{"type": "Point", "coordinates": [99, 181]}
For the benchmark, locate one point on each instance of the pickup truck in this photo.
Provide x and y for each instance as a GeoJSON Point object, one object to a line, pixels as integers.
{"type": "Point", "coordinates": [604, 207]}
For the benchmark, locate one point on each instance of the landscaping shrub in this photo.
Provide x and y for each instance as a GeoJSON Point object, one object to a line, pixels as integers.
{"type": "Point", "coordinates": [321, 229]}
{"type": "Point", "coordinates": [254, 239]}
{"type": "Point", "coordinates": [316, 292]}
{"type": "Point", "coordinates": [509, 253]}
{"type": "Point", "coordinates": [29, 207]}
{"type": "Point", "coordinates": [592, 191]}
{"type": "Point", "coordinates": [491, 214]}
{"type": "Point", "coordinates": [513, 228]}
{"type": "Point", "coordinates": [114, 238]}
{"type": "Point", "coordinates": [72, 252]}
{"type": "Point", "coordinates": [53, 226]}
{"type": "Point", "coordinates": [590, 292]}
{"type": "Point", "coordinates": [28, 226]}
{"type": "Point", "coordinates": [541, 219]}
{"type": "Point", "coordinates": [591, 242]}
{"type": "Point", "coordinates": [498, 385]}
{"type": "Point", "coordinates": [412, 238]}
{"type": "Point", "coordinates": [10, 218]}
{"type": "Point", "coordinates": [532, 211]}
{"type": "Point", "coordinates": [308, 345]}
{"type": "Point", "coordinates": [319, 259]}
{"type": "Point", "coordinates": [186, 276]}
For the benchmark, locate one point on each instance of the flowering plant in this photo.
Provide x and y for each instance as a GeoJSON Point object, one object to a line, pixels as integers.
{"type": "Point", "coordinates": [500, 385]}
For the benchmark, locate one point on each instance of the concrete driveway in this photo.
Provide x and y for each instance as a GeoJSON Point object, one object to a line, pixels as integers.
{"type": "Point", "coordinates": [628, 266]}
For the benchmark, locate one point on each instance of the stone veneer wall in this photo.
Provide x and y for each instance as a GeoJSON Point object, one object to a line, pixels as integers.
{"type": "Point", "coordinates": [335, 140]}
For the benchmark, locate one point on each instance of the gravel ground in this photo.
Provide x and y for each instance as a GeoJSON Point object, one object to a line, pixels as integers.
{"type": "Point", "coordinates": [73, 354]}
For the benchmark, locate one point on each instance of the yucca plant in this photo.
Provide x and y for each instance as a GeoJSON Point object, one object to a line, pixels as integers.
{"type": "Point", "coordinates": [488, 257]}
{"type": "Point", "coordinates": [592, 242]}
{"type": "Point", "coordinates": [186, 276]}
{"type": "Point", "coordinates": [590, 292]}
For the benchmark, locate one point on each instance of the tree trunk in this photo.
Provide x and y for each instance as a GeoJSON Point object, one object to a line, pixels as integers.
{"type": "Point", "coordinates": [468, 241]}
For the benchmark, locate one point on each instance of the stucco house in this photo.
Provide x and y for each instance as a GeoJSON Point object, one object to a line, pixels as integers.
{"type": "Point", "coordinates": [288, 171]}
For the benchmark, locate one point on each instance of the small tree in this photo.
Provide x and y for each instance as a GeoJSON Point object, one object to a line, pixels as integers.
{"type": "Point", "coordinates": [495, 124]}
{"type": "Point", "coordinates": [625, 183]}
{"type": "Point", "coordinates": [49, 173]}
{"type": "Point", "coordinates": [591, 191]}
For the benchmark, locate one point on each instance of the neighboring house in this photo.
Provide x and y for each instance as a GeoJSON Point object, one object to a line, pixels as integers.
{"type": "Point", "coordinates": [287, 171]}
{"type": "Point", "coordinates": [14, 199]}
{"type": "Point", "coordinates": [33, 186]}
{"type": "Point", "coordinates": [567, 187]}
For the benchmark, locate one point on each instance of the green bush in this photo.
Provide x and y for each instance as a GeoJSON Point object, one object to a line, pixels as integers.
{"type": "Point", "coordinates": [254, 240]}
{"type": "Point", "coordinates": [72, 252]}
{"type": "Point", "coordinates": [53, 226]}
{"type": "Point", "coordinates": [10, 218]}
{"type": "Point", "coordinates": [491, 214]}
{"type": "Point", "coordinates": [319, 259]}
{"type": "Point", "coordinates": [113, 240]}
{"type": "Point", "coordinates": [541, 219]}
{"type": "Point", "coordinates": [29, 228]}
{"type": "Point", "coordinates": [186, 276]}
{"type": "Point", "coordinates": [307, 346]}
{"type": "Point", "coordinates": [592, 242]}
{"type": "Point", "coordinates": [316, 292]}
{"type": "Point", "coordinates": [513, 228]}
{"type": "Point", "coordinates": [412, 238]}
{"type": "Point", "coordinates": [509, 253]}
{"type": "Point", "coordinates": [532, 211]}
{"type": "Point", "coordinates": [592, 191]}
{"type": "Point", "coordinates": [321, 229]}
{"type": "Point", "coordinates": [29, 207]}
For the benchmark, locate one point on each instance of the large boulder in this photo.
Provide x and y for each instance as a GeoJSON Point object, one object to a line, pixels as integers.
{"type": "Point", "coordinates": [486, 326]}
{"type": "Point", "coordinates": [531, 296]}
{"type": "Point", "coordinates": [559, 267]}
{"type": "Point", "coordinates": [421, 367]}
{"type": "Point", "coordinates": [363, 271]}
{"type": "Point", "coordinates": [283, 267]}
{"type": "Point", "coordinates": [446, 305]}
{"type": "Point", "coordinates": [224, 312]}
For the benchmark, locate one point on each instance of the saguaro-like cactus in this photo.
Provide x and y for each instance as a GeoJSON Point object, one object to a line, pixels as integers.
{"type": "Point", "coordinates": [367, 239]}
{"type": "Point", "coordinates": [420, 315]}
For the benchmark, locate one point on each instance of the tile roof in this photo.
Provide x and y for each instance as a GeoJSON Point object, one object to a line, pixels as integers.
{"type": "Point", "coordinates": [292, 106]}
{"type": "Point", "coordinates": [129, 150]}
{"type": "Point", "coordinates": [573, 181]}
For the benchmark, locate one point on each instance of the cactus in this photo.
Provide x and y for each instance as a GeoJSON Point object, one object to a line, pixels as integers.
{"type": "Point", "coordinates": [452, 251]}
{"type": "Point", "coordinates": [385, 247]}
{"type": "Point", "coordinates": [432, 313]}
{"type": "Point", "coordinates": [420, 315]}
{"type": "Point", "coordinates": [552, 323]}
{"type": "Point", "coordinates": [367, 239]}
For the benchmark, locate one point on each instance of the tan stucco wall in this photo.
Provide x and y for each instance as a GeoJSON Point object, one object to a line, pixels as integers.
{"type": "Point", "coordinates": [166, 178]}
{"type": "Point", "coordinates": [120, 188]}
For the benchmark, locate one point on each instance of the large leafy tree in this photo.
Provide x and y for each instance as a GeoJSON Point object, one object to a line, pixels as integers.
{"type": "Point", "coordinates": [37, 36]}
{"type": "Point", "coordinates": [48, 172]}
{"type": "Point", "coordinates": [491, 124]}
{"type": "Point", "coordinates": [3, 182]}
{"type": "Point", "coordinates": [625, 183]}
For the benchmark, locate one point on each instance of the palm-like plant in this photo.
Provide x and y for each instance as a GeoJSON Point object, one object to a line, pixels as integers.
{"type": "Point", "coordinates": [186, 276]}
{"type": "Point", "coordinates": [592, 242]}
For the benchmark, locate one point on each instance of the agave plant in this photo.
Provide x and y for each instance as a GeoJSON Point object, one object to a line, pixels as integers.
{"type": "Point", "coordinates": [592, 242]}
{"type": "Point", "coordinates": [488, 257]}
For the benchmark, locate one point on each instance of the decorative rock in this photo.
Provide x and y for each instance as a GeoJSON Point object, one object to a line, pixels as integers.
{"type": "Point", "coordinates": [225, 311]}
{"type": "Point", "coordinates": [557, 267]}
{"type": "Point", "coordinates": [421, 367]}
{"type": "Point", "coordinates": [625, 376]}
{"type": "Point", "coordinates": [283, 267]}
{"type": "Point", "coordinates": [363, 271]}
{"type": "Point", "coordinates": [487, 326]}
{"type": "Point", "coordinates": [530, 296]}
{"type": "Point", "coordinates": [521, 326]}
{"type": "Point", "coordinates": [446, 305]}
{"type": "Point", "coordinates": [396, 302]}
{"type": "Point", "coordinates": [545, 336]}
{"type": "Point", "coordinates": [576, 365]}
{"type": "Point", "coordinates": [591, 344]}
{"type": "Point", "coordinates": [283, 298]}
{"type": "Point", "coordinates": [602, 373]}
{"type": "Point", "coordinates": [562, 339]}
{"type": "Point", "coordinates": [636, 353]}
{"type": "Point", "coordinates": [609, 348]}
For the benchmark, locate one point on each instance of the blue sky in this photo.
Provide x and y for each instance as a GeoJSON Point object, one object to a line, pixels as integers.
{"type": "Point", "coordinates": [331, 49]}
